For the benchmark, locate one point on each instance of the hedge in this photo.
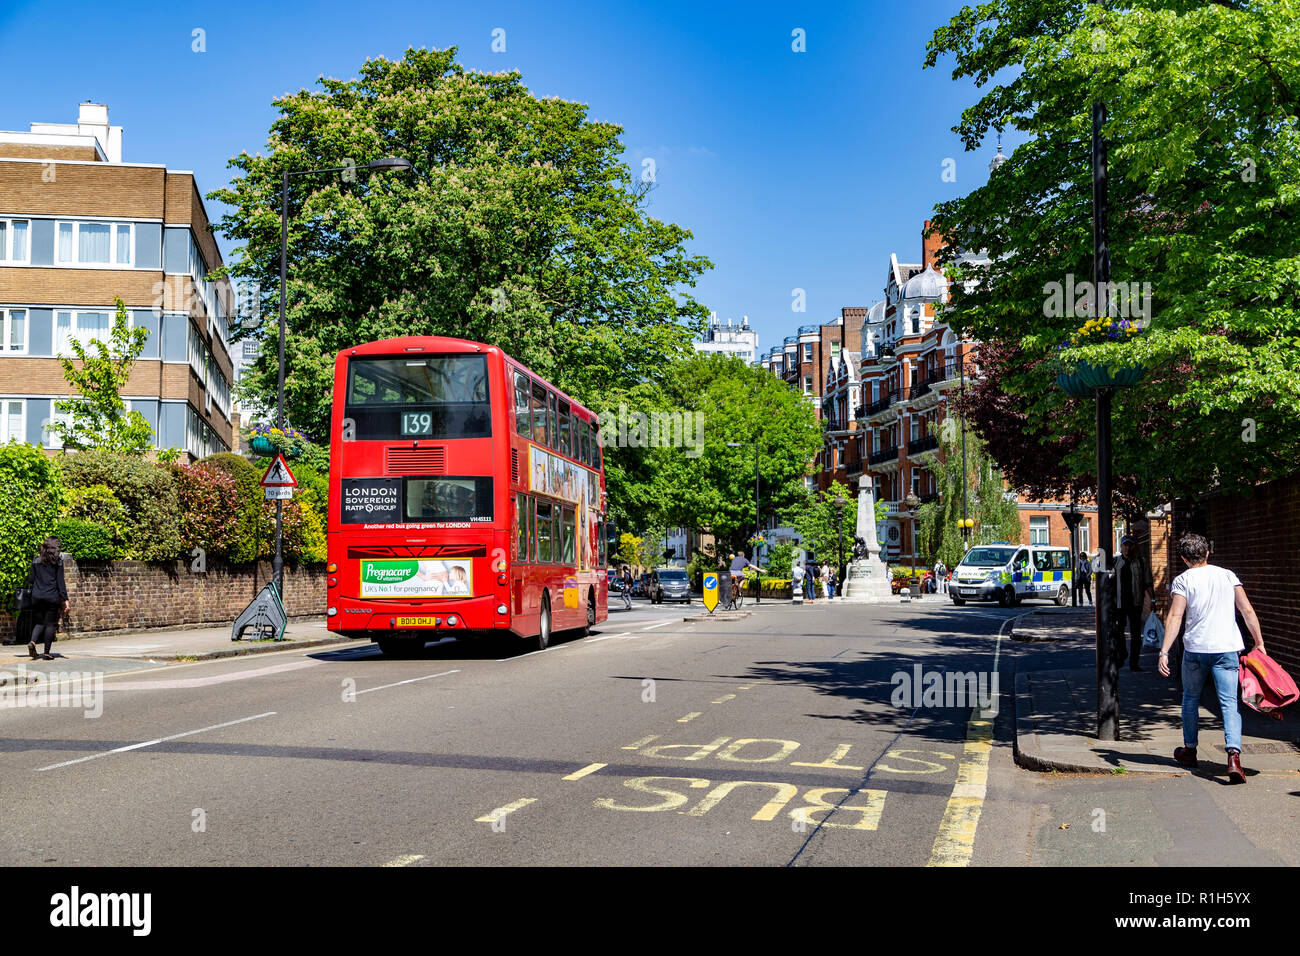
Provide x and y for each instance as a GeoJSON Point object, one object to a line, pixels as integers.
{"type": "Point", "coordinates": [86, 540]}
{"type": "Point", "coordinates": [30, 494]}
{"type": "Point", "coordinates": [146, 491]}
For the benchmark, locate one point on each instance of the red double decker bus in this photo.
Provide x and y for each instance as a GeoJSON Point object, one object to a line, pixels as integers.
{"type": "Point", "coordinates": [466, 498]}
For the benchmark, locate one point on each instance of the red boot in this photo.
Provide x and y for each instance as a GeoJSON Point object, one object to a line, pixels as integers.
{"type": "Point", "coordinates": [1235, 773]}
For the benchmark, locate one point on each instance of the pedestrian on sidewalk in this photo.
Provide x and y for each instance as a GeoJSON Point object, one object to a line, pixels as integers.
{"type": "Point", "coordinates": [627, 588]}
{"type": "Point", "coordinates": [813, 585]}
{"type": "Point", "coordinates": [1134, 596]}
{"type": "Point", "coordinates": [49, 595]}
{"type": "Point", "coordinates": [826, 580]}
{"type": "Point", "coordinates": [940, 577]}
{"type": "Point", "coordinates": [1083, 575]}
{"type": "Point", "coordinates": [797, 575]}
{"type": "Point", "coordinates": [1208, 598]}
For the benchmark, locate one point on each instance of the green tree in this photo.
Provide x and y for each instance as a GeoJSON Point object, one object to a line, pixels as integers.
{"type": "Point", "coordinates": [702, 483]}
{"type": "Point", "coordinates": [996, 516]}
{"type": "Point", "coordinates": [823, 528]}
{"type": "Point", "coordinates": [1204, 155]}
{"type": "Point", "coordinates": [519, 226]}
{"type": "Point", "coordinates": [99, 416]}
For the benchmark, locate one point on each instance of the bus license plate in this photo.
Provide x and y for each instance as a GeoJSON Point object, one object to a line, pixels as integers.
{"type": "Point", "coordinates": [418, 621]}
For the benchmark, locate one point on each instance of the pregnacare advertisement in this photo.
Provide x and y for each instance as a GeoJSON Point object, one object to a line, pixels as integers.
{"type": "Point", "coordinates": [397, 578]}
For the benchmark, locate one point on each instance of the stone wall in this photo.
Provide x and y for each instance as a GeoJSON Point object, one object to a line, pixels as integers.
{"type": "Point", "coordinates": [116, 596]}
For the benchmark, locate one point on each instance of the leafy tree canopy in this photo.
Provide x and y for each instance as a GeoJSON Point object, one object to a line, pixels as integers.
{"type": "Point", "coordinates": [519, 226]}
{"type": "Point", "coordinates": [1204, 157]}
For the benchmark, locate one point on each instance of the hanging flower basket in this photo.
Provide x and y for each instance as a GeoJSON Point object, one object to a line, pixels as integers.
{"type": "Point", "coordinates": [268, 440]}
{"type": "Point", "coordinates": [1086, 378]}
{"type": "Point", "coordinates": [261, 445]}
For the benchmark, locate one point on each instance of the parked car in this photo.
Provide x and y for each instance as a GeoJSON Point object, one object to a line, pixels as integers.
{"type": "Point", "coordinates": [670, 584]}
{"type": "Point", "coordinates": [1010, 573]}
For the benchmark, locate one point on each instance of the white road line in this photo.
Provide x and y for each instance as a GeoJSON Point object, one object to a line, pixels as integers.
{"type": "Point", "coordinates": [653, 626]}
{"type": "Point", "coordinates": [189, 682]}
{"type": "Point", "coordinates": [411, 681]}
{"type": "Point", "coordinates": [159, 740]}
{"type": "Point", "coordinates": [500, 812]}
{"type": "Point", "coordinates": [608, 637]}
{"type": "Point", "coordinates": [406, 860]}
{"type": "Point", "coordinates": [590, 768]}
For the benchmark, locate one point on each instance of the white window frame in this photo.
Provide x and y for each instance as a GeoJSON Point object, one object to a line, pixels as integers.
{"type": "Point", "coordinates": [5, 435]}
{"type": "Point", "coordinates": [6, 318]}
{"type": "Point", "coordinates": [51, 439]}
{"type": "Point", "coordinates": [1040, 523]}
{"type": "Point", "coordinates": [807, 384]}
{"type": "Point", "coordinates": [1085, 534]}
{"type": "Point", "coordinates": [113, 226]}
{"type": "Point", "coordinates": [76, 331]}
{"type": "Point", "coordinates": [807, 351]}
{"type": "Point", "coordinates": [7, 246]}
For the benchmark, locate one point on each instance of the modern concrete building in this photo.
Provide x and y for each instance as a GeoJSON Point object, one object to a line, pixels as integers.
{"type": "Point", "coordinates": [736, 339]}
{"type": "Point", "coordinates": [79, 228]}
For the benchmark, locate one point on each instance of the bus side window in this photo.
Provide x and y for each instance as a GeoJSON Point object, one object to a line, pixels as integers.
{"type": "Point", "coordinates": [530, 505]}
{"type": "Point", "coordinates": [585, 441]}
{"type": "Point", "coordinates": [523, 408]}
{"type": "Point", "coordinates": [563, 443]}
{"type": "Point", "coordinates": [600, 543]}
{"type": "Point", "coordinates": [544, 510]}
{"type": "Point", "coordinates": [552, 421]}
{"type": "Point", "coordinates": [539, 413]}
{"type": "Point", "coordinates": [569, 535]}
{"type": "Point", "coordinates": [521, 527]}
{"type": "Point", "coordinates": [595, 447]}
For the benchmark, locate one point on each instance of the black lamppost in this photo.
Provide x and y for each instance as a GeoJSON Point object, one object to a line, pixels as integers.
{"type": "Point", "coordinates": [839, 502]}
{"type": "Point", "coordinates": [1072, 519]}
{"type": "Point", "coordinates": [758, 593]}
{"type": "Point", "coordinates": [912, 502]}
{"type": "Point", "coordinates": [387, 164]}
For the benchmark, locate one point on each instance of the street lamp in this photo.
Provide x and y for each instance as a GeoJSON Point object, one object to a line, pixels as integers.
{"type": "Point", "coordinates": [839, 502]}
{"type": "Point", "coordinates": [1072, 519]}
{"type": "Point", "coordinates": [912, 502]}
{"type": "Point", "coordinates": [758, 595]}
{"type": "Point", "coordinates": [386, 164]}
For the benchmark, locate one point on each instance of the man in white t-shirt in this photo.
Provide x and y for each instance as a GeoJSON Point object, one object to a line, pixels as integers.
{"type": "Point", "coordinates": [1208, 597]}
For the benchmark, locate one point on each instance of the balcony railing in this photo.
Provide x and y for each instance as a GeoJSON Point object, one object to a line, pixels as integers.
{"type": "Point", "coordinates": [922, 444]}
{"type": "Point", "coordinates": [879, 406]}
{"type": "Point", "coordinates": [884, 455]}
{"type": "Point", "coordinates": [810, 329]}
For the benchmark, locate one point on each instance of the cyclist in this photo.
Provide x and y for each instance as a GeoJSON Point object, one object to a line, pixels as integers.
{"type": "Point", "coordinates": [738, 564]}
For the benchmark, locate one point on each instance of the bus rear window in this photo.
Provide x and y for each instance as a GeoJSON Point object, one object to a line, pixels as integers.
{"type": "Point", "coordinates": [448, 499]}
{"type": "Point", "coordinates": [414, 397]}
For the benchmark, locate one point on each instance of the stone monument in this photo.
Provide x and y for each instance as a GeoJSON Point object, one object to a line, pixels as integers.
{"type": "Point", "coordinates": [867, 579]}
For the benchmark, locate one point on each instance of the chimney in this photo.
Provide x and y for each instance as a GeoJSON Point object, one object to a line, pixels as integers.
{"type": "Point", "coordinates": [92, 120]}
{"type": "Point", "coordinates": [931, 243]}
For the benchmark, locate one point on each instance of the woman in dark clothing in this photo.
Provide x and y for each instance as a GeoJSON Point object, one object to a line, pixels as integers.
{"type": "Point", "coordinates": [49, 595]}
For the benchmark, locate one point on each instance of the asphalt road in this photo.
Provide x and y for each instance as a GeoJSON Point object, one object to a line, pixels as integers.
{"type": "Point", "coordinates": [780, 739]}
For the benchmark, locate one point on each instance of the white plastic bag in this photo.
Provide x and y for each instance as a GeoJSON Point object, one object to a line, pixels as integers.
{"type": "Point", "coordinates": [1153, 632]}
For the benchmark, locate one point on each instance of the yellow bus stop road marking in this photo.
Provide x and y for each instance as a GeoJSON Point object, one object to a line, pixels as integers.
{"type": "Point", "coordinates": [406, 860]}
{"type": "Point", "coordinates": [689, 717]}
{"type": "Point", "coordinates": [509, 808]}
{"type": "Point", "coordinates": [590, 768]}
{"type": "Point", "coordinates": [640, 743]}
{"type": "Point", "coordinates": [724, 698]}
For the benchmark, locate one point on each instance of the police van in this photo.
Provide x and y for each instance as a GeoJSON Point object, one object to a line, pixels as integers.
{"type": "Point", "coordinates": [1010, 573]}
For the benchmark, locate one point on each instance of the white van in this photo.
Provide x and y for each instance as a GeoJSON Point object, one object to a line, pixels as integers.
{"type": "Point", "coordinates": [1010, 573]}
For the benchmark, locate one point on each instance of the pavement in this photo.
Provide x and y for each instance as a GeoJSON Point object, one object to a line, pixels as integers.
{"type": "Point", "coordinates": [1056, 713]}
{"type": "Point", "coordinates": [169, 645]}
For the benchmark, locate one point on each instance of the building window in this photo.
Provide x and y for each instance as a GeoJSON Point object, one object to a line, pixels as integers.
{"type": "Point", "coordinates": [13, 240]}
{"type": "Point", "coordinates": [13, 420]}
{"type": "Point", "coordinates": [95, 243]}
{"type": "Point", "coordinates": [915, 435]}
{"type": "Point", "coordinates": [83, 327]}
{"type": "Point", "coordinates": [916, 482]}
{"type": "Point", "coordinates": [13, 330]}
{"type": "Point", "coordinates": [1085, 535]}
{"type": "Point", "coordinates": [807, 351]}
{"type": "Point", "coordinates": [807, 385]}
{"type": "Point", "coordinates": [1038, 532]}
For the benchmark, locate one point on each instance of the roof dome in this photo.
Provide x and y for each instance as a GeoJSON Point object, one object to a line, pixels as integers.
{"type": "Point", "coordinates": [927, 286]}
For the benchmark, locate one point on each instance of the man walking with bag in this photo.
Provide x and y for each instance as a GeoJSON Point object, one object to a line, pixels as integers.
{"type": "Point", "coordinates": [1133, 588]}
{"type": "Point", "coordinates": [1208, 599]}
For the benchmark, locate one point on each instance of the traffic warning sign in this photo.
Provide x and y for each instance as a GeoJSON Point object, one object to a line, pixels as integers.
{"type": "Point", "coordinates": [278, 475]}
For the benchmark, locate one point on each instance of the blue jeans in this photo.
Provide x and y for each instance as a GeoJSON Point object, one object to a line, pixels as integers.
{"type": "Point", "coordinates": [1223, 668]}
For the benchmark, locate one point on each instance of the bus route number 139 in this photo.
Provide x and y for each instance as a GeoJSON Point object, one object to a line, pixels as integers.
{"type": "Point", "coordinates": [417, 423]}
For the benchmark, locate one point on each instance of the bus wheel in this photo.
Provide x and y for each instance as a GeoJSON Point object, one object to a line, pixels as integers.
{"type": "Point", "coordinates": [591, 610]}
{"type": "Point", "coordinates": [1063, 596]}
{"type": "Point", "coordinates": [543, 639]}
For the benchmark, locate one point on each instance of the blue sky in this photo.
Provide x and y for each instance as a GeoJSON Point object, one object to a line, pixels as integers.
{"type": "Point", "coordinates": [793, 170]}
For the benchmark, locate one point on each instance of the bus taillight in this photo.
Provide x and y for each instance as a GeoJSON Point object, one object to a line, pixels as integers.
{"type": "Point", "coordinates": [331, 567]}
{"type": "Point", "coordinates": [500, 565]}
